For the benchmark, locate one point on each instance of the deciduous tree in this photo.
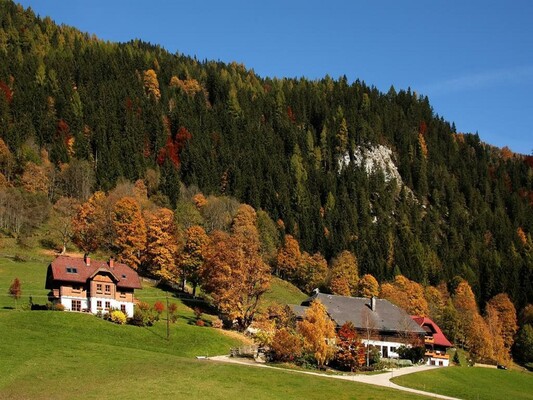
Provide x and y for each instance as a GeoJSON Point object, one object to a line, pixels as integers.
{"type": "Point", "coordinates": [130, 231]}
{"type": "Point", "coordinates": [367, 286]}
{"type": "Point", "coordinates": [318, 331]}
{"type": "Point", "coordinates": [288, 258]}
{"type": "Point", "coordinates": [193, 255]}
{"type": "Point", "coordinates": [343, 276]}
{"type": "Point", "coordinates": [161, 245]}
{"type": "Point", "coordinates": [15, 290]}
{"type": "Point", "coordinates": [348, 347]}
{"type": "Point", "coordinates": [234, 273]}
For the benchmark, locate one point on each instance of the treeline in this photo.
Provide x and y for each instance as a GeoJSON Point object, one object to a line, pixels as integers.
{"type": "Point", "coordinates": [106, 112]}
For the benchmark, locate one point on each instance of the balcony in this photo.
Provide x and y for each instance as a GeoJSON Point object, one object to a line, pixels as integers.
{"type": "Point", "coordinates": [435, 354]}
{"type": "Point", "coordinates": [429, 339]}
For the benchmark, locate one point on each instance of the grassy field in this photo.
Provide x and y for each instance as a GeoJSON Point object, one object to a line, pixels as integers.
{"type": "Point", "coordinates": [63, 355]}
{"type": "Point", "coordinates": [283, 292]}
{"type": "Point", "coordinates": [472, 383]}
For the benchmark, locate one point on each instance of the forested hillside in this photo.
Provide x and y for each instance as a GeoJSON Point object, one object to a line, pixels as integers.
{"type": "Point", "coordinates": [78, 114]}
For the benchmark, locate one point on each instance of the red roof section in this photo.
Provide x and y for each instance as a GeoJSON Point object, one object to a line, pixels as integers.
{"type": "Point", "coordinates": [61, 269]}
{"type": "Point", "coordinates": [438, 336]}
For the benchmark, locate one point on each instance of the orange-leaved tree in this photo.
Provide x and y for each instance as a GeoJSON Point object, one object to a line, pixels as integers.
{"type": "Point", "coordinates": [161, 245]}
{"type": "Point", "coordinates": [318, 331]}
{"type": "Point", "coordinates": [89, 223]}
{"type": "Point", "coordinates": [506, 318]}
{"type": "Point", "coordinates": [288, 258]}
{"type": "Point", "coordinates": [130, 231]}
{"type": "Point", "coordinates": [234, 273]}
{"type": "Point", "coordinates": [15, 290]}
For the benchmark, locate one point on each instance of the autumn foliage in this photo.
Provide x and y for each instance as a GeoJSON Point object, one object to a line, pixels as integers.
{"type": "Point", "coordinates": [130, 231]}
{"type": "Point", "coordinates": [161, 245]}
{"type": "Point", "coordinates": [318, 331]}
{"type": "Point", "coordinates": [234, 273]}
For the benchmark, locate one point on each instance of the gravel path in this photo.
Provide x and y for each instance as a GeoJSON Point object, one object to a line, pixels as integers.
{"type": "Point", "coordinates": [378, 379]}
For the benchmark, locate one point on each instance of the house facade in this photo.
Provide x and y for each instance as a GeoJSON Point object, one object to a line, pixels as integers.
{"type": "Point", "coordinates": [435, 342]}
{"type": "Point", "coordinates": [85, 285]}
{"type": "Point", "coordinates": [378, 322]}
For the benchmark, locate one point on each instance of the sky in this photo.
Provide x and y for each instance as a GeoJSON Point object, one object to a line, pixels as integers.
{"type": "Point", "coordinates": [472, 58]}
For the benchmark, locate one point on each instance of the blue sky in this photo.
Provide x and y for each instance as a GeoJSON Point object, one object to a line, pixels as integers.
{"type": "Point", "coordinates": [473, 59]}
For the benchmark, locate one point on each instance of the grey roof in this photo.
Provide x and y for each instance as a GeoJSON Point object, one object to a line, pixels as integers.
{"type": "Point", "coordinates": [386, 317]}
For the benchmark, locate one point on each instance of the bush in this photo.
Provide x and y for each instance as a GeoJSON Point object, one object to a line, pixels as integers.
{"type": "Point", "coordinates": [200, 322]}
{"type": "Point", "coordinates": [58, 307]}
{"type": "Point", "coordinates": [159, 307]}
{"type": "Point", "coordinates": [286, 346]}
{"type": "Point", "coordinates": [173, 312]}
{"type": "Point", "coordinates": [456, 359]}
{"type": "Point", "coordinates": [415, 354]}
{"type": "Point", "coordinates": [118, 317]}
{"type": "Point", "coordinates": [217, 323]}
{"type": "Point", "coordinates": [143, 316]}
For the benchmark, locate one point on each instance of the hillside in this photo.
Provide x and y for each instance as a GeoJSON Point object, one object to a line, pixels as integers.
{"type": "Point", "coordinates": [93, 114]}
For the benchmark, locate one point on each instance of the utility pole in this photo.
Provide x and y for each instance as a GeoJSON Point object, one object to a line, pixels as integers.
{"type": "Point", "coordinates": [168, 321]}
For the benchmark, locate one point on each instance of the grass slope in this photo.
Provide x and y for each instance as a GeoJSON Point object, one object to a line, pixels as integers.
{"type": "Point", "coordinates": [65, 355]}
{"type": "Point", "coordinates": [282, 292]}
{"type": "Point", "coordinates": [472, 383]}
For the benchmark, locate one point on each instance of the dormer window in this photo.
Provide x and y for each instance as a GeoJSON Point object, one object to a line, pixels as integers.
{"type": "Point", "coordinates": [123, 276]}
{"type": "Point", "coordinates": [72, 270]}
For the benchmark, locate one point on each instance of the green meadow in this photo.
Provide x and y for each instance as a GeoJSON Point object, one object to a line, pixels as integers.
{"type": "Point", "coordinates": [472, 383]}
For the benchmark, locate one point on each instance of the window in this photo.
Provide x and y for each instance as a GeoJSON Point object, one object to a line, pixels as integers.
{"type": "Point", "coordinates": [123, 308]}
{"type": "Point", "coordinates": [76, 305]}
{"type": "Point", "coordinates": [72, 270]}
{"type": "Point", "coordinates": [107, 305]}
{"type": "Point", "coordinates": [76, 289]}
{"type": "Point", "coordinates": [98, 304]}
{"type": "Point", "coordinates": [122, 295]}
{"type": "Point", "coordinates": [124, 276]}
{"type": "Point", "coordinates": [107, 289]}
{"type": "Point", "coordinates": [98, 288]}
{"type": "Point", "coordinates": [393, 349]}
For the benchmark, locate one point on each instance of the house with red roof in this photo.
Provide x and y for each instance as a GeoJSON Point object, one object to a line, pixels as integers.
{"type": "Point", "coordinates": [81, 284]}
{"type": "Point", "coordinates": [435, 342]}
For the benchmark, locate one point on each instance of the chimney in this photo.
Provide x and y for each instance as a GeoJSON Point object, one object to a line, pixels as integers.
{"type": "Point", "coordinates": [87, 260]}
{"type": "Point", "coordinates": [111, 262]}
{"type": "Point", "coordinates": [373, 303]}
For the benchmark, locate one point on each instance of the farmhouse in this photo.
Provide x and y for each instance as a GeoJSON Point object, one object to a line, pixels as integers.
{"type": "Point", "coordinates": [379, 322]}
{"type": "Point", "coordinates": [435, 342]}
{"type": "Point", "coordinates": [80, 284]}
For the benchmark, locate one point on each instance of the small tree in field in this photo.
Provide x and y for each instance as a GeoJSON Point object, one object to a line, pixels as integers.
{"type": "Point", "coordinates": [15, 290]}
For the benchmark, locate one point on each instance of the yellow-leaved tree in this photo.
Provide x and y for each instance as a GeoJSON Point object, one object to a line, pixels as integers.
{"type": "Point", "coordinates": [344, 275]}
{"type": "Point", "coordinates": [130, 231]}
{"type": "Point", "coordinates": [161, 245]}
{"type": "Point", "coordinates": [318, 331]}
{"type": "Point", "coordinates": [192, 257]}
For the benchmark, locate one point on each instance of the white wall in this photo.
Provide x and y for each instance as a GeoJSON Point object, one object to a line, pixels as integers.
{"type": "Point", "coordinates": [380, 344]}
{"type": "Point", "coordinates": [91, 304]}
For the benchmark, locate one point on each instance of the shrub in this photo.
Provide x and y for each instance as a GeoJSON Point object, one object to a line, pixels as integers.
{"type": "Point", "coordinates": [197, 312]}
{"type": "Point", "coordinates": [58, 307]}
{"type": "Point", "coordinates": [200, 322]}
{"type": "Point", "coordinates": [173, 311]}
{"type": "Point", "coordinates": [286, 346]}
{"type": "Point", "coordinates": [415, 354]}
{"type": "Point", "coordinates": [118, 317]}
{"type": "Point", "coordinates": [217, 323]}
{"type": "Point", "coordinates": [456, 359]}
{"type": "Point", "coordinates": [143, 316]}
{"type": "Point", "coordinates": [159, 307]}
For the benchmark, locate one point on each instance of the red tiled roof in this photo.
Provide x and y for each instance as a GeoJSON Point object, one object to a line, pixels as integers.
{"type": "Point", "coordinates": [63, 267]}
{"type": "Point", "coordinates": [438, 336]}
